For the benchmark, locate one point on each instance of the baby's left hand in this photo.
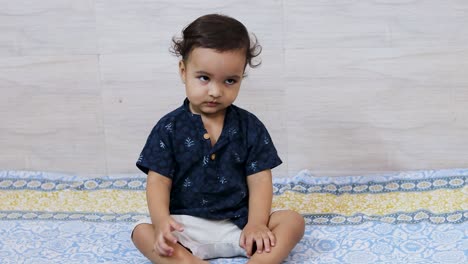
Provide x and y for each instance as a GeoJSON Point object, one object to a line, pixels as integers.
{"type": "Point", "coordinates": [259, 234]}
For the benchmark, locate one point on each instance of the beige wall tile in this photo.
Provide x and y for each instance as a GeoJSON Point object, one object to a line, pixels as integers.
{"type": "Point", "coordinates": [48, 27]}
{"type": "Point", "coordinates": [51, 117]}
{"type": "Point", "coordinates": [368, 24]}
{"type": "Point", "coordinates": [377, 111]}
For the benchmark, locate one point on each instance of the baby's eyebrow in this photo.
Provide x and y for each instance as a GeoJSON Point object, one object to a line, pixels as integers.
{"type": "Point", "coordinates": [235, 76]}
{"type": "Point", "coordinates": [202, 73]}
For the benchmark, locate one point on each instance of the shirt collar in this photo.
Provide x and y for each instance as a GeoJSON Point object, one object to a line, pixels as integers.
{"type": "Point", "coordinates": [186, 106]}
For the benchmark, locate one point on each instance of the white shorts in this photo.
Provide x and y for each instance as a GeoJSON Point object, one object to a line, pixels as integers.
{"type": "Point", "coordinates": [207, 239]}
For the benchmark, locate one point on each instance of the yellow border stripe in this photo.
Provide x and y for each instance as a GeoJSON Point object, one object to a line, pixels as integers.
{"type": "Point", "coordinates": [121, 201]}
{"type": "Point", "coordinates": [437, 201]}
{"type": "Point", "coordinates": [103, 201]}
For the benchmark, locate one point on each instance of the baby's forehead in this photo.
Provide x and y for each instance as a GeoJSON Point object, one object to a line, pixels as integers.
{"type": "Point", "coordinates": [214, 61]}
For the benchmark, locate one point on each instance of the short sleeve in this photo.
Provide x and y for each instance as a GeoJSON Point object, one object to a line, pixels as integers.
{"type": "Point", "coordinates": [157, 154]}
{"type": "Point", "coordinates": [262, 153]}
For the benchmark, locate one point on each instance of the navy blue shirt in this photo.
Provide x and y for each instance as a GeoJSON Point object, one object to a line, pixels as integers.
{"type": "Point", "coordinates": [209, 181]}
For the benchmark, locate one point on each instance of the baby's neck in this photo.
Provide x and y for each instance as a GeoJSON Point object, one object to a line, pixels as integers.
{"type": "Point", "coordinates": [214, 126]}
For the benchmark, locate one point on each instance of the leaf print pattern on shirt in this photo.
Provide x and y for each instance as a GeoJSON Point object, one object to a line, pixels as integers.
{"type": "Point", "coordinates": [162, 145]}
{"type": "Point", "coordinates": [253, 166]}
{"type": "Point", "coordinates": [187, 183]}
{"type": "Point", "coordinates": [222, 180]}
{"type": "Point", "coordinates": [232, 131]}
{"type": "Point", "coordinates": [206, 159]}
{"type": "Point", "coordinates": [189, 142]}
{"type": "Point", "coordinates": [169, 127]}
{"type": "Point", "coordinates": [237, 157]}
{"type": "Point", "coordinates": [266, 140]}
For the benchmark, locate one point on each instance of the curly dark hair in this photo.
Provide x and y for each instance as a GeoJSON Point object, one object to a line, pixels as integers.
{"type": "Point", "coordinates": [219, 32]}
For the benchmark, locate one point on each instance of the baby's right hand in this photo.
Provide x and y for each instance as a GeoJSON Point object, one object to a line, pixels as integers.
{"type": "Point", "coordinates": [164, 236]}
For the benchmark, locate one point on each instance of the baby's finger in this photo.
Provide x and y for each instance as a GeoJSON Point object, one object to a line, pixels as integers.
{"type": "Point", "coordinates": [248, 246]}
{"type": "Point", "coordinates": [272, 237]}
{"type": "Point", "coordinates": [168, 236]}
{"type": "Point", "coordinates": [242, 240]}
{"type": "Point", "coordinates": [175, 226]}
{"type": "Point", "coordinates": [259, 243]}
{"type": "Point", "coordinates": [163, 248]}
{"type": "Point", "coordinates": [266, 243]}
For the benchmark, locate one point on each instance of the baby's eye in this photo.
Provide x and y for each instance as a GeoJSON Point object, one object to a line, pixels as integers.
{"type": "Point", "coordinates": [230, 81]}
{"type": "Point", "coordinates": [203, 78]}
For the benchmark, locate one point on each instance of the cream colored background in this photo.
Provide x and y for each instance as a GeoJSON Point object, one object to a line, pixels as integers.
{"type": "Point", "coordinates": [346, 87]}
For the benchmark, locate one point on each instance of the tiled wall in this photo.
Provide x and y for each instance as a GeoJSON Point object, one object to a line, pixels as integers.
{"type": "Point", "coordinates": [346, 87]}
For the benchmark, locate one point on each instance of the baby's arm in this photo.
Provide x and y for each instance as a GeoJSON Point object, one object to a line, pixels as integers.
{"type": "Point", "coordinates": [158, 189]}
{"type": "Point", "coordinates": [260, 199]}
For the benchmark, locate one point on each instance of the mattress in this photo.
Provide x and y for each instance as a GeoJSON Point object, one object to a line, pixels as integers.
{"type": "Point", "coordinates": [403, 217]}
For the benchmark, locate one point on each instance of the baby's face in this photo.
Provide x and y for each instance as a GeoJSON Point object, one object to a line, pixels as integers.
{"type": "Point", "coordinates": [212, 79]}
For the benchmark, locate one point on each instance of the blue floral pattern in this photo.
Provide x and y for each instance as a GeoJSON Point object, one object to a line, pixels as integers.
{"type": "Point", "coordinates": [72, 236]}
{"type": "Point", "coordinates": [109, 242]}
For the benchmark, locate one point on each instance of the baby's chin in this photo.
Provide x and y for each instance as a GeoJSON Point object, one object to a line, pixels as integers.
{"type": "Point", "coordinates": [213, 110]}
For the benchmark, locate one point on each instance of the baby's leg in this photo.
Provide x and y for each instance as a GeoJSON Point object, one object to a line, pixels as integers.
{"type": "Point", "coordinates": [288, 227]}
{"type": "Point", "coordinates": [143, 238]}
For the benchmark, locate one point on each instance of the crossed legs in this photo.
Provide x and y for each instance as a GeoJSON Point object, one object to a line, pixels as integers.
{"type": "Point", "coordinates": [288, 227]}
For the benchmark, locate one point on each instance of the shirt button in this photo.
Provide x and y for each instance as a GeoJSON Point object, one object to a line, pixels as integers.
{"type": "Point", "coordinates": [206, 136]}
{"type": "Point", "coordinates": [213, 156]}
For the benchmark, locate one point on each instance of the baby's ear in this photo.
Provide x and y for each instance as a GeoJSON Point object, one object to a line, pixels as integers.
{"type": "Point", "coordinates": [182, 70]}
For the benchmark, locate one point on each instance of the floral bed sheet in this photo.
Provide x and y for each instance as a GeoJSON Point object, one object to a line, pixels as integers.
{"type": "Point", "coordinates": [404, 217]}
